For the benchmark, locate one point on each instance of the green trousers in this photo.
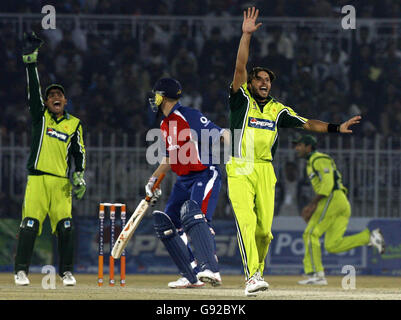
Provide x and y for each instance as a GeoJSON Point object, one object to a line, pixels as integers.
{"type": "Point", "coordinates": [251, 188]}
{"type": "Point", "coordinates": [47, 195]}
{"type": "Point", "coordinates": [330, 219]}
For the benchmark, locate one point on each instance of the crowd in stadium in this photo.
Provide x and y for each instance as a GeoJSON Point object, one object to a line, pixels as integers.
{"type": "Point", "coordinates": [107, 79]}
{"type": "Point", "coordinates": [290, 8]}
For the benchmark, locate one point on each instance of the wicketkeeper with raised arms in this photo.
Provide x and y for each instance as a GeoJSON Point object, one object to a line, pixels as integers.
{"type": "Point", "coordinates": [189, 138]}
{"type": "Point", "coordinates": [327, 213]}
{"type": "Point", "coordinates": [255, 121]}
{"type": "Point", "coordinates": [56, 140]}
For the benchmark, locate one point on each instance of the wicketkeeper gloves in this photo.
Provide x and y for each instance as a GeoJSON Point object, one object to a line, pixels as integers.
{"type": "Point", "coordinates": [31, 45]}
{"type": "Point", "coordinates": [79, 184]}
{"type": "Point", "coordinates": [154, 195]}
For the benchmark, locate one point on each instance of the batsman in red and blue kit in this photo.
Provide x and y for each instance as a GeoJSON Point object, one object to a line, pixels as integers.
{"type": "Point", "coordinates": [189, 138]}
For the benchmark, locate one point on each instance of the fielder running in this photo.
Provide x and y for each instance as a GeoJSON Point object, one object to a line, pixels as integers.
{"type": "Point", "coordinates": [255, 120]}
{"type": "Point", "coordinates": [56, 141]}
{"type": "Point", "coordinates": [190, 207]}
{"type": "Point", "coordinates": [328, 213]}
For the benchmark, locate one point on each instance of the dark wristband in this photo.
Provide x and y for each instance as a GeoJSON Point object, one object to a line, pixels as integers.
{"type": "Point", "coordinates": [333, 127]}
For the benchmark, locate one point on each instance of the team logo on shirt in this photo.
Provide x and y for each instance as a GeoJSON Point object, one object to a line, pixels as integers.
{"type": "Point", "coordinates": [261, 123]}
{"type": "Point", "coordinates": [57, 134]}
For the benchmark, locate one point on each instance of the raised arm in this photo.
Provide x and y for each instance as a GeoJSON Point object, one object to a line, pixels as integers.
{"type": "Point", "coordinates": [321, 126]}
{"type": "Point", "coordinates": [29, 55]}
{"type": "Point", "coordinates": [249, 26]}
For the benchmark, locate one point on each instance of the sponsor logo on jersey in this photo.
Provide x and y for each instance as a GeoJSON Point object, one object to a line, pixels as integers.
{"type": "Point", "coordinates": [56, 134]}
{"type": "Point", "coordinates": [261, 123]}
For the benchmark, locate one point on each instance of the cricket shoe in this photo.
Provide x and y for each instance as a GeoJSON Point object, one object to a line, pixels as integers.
{"type": "Point", "coordinates": [255, 284]}
{"type": "Point", "coordinates": [377, 240]}
{"type": "Point", "coordinates": [21, 278]}
{"type": "Point", "coordinates": [183, 283]}
{"type": "Point", "coordinates": [211, 277]}
{"type": "Point", "coordinates": [314, 279]}
{"type": "Point", "coordinates": [68, 279]}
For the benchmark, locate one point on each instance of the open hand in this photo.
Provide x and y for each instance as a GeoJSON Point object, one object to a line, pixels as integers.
{"type": "Point", "coordinates": [249, 25]}
{"type": "Point", "coordinates": [344, 126]}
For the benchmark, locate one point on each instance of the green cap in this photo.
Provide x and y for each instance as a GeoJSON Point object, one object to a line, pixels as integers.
{"type": "Point", "coordinates": [307, 139]}
{"type": "Point", "coordinates": [54, 86]}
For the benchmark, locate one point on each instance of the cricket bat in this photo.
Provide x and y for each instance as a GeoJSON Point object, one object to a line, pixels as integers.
{"type": "Point", "coordinates": [133, 223]}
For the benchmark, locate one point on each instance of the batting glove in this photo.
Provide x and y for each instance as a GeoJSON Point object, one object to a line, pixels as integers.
{"type": "Point", "coordinates": [31, 45]}
{"type": "Point", "coordinates": [153, 195]}
{"type": "Point", "coordinates": [79, 184]}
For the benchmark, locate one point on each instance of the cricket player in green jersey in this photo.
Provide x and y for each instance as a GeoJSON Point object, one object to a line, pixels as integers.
{"type": "Point", "coordinates": [255, 120]}
{"type": "Point", "coordinates": [328, 213]}
{"type": "Point", "coordinates": [56, 141]}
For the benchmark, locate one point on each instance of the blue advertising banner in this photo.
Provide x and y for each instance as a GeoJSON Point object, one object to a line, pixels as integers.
{"type": "Point", "coordinates": [287, 250]}
{"type": "Point", "coordinates": [389, 263]}
{"type": "Point", "coordinates": [146, 254]}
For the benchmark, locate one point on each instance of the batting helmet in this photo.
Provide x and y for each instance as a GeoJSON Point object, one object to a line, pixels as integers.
{"type": "Point", "coordinates": [165, 87]}
{"type": "Point", "coordinates": [169, 88]}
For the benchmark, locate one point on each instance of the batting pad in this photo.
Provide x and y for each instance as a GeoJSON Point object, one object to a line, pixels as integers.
{"type": "Point", "coordinates": [26, 239]}
{"type": "Point", "coordinates": [65, 241]}
{"type": "Point", "coordinates": [197, 229]}
{"type": "Point", "coordinates": [175, 246]}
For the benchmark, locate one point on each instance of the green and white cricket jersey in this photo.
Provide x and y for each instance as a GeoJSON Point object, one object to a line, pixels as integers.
{"type": "Point", "coordinates": [54, 141]}
{"type": "Point", "coordinates": [331, 216]}
{"type": "Point", "coordinates": [254, 129]}
{"type": "Point", "coordinates": [54, 145]}
{"type": "Point", "coordinates": [250, 173]}
{"type": "Point", "coordinates": [323, 174]}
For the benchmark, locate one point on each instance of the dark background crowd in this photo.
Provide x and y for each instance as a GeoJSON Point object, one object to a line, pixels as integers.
{"type": "Point", "coordinates": [215, 8]}
{"type": "Point", "coordinates": [108, 76]}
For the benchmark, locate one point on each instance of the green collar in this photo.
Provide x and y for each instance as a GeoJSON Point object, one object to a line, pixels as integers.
{"type": "Point", "coordinates": [261, 107]}
{"type": "Point", "coordinates": [66, 115]}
